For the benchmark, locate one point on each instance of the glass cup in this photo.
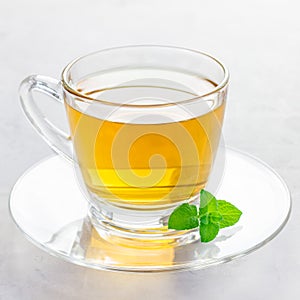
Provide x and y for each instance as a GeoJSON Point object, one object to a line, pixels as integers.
{"type": "Point", "coordinates": [145, 125]}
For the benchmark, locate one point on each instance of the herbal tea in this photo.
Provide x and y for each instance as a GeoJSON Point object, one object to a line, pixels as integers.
{"type": "Point", "coordinates": [141, 154]}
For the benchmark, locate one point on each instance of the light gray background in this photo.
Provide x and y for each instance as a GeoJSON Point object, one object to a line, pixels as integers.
{"type": "Point", "coordinates": [260, 43]}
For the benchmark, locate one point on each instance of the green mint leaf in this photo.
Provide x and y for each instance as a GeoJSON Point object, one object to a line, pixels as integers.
{"type": "Point", "coordinates": [208, 203]}
{"type": "Point", "coordinates": [184, 217]}
{"type": "Point", "coordinates": [212, 217]}
{"type": "Point", "coordinates": [215, 217]}
{"type": "Point", "coordinates": [230, 214]}
{"type": "Point", "coordinates": [204, 219]}
{"type": "Point", "coordinates": [208, 231]}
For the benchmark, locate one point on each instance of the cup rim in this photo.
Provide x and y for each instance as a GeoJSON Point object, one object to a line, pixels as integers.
{"type": "Point", "coordinates": [74, 92]}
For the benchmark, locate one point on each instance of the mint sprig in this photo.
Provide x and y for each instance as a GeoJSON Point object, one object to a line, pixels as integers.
{"type": "Point", "coordinates": [211, 216]}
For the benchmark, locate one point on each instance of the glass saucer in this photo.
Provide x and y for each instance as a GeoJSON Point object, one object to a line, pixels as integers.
{"type": "Point", "coordinates": [48, 207]}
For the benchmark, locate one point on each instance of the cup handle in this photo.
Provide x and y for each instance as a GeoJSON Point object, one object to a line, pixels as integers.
{"type": "Point", "coordinates": [58, 140]}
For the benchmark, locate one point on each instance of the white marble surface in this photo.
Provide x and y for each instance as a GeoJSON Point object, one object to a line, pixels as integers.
{"type": "Point", "coordinates": [260, 43]}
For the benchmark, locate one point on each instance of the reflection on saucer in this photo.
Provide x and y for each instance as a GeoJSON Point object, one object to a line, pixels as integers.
{"type": "Point", "coordinates": [99, 250]}
{"type": "Point", "coordinates": [88, 245]}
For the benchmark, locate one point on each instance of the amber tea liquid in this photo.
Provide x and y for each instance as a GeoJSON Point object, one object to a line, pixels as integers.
{"type": "Point", "coordinates": [141, 155]}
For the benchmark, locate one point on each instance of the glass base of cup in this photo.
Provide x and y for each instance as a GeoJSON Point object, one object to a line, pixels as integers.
{"type": "Point", "coordinates": [140, 229]}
